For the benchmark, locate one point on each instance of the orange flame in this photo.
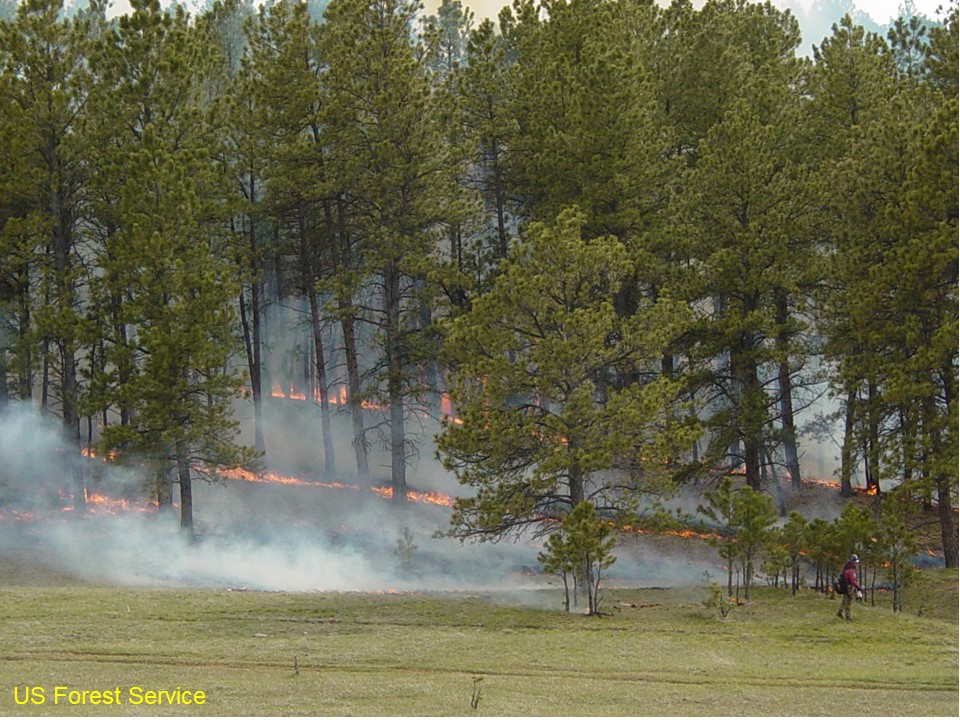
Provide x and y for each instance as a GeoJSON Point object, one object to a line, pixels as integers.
{"type": "Point", "coordinates": [114, 506]}
{"type": "Point", "coordinates": [433, 498]}
{"type": "Point", "coordinates": [277, 479]}
{"type": "Point", "coordinates": [386, 492]}
{"type": "Point", "coordinates": [89, 452]}
{"type": "Point", "coordinates": [671, 533]}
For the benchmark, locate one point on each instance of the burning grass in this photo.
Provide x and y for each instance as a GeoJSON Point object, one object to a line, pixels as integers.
{"type": "Point", "coordinates": [418, 654]}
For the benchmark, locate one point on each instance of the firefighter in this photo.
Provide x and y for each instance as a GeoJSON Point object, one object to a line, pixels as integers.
{"type": "Point", "coordinates": [849, 587]}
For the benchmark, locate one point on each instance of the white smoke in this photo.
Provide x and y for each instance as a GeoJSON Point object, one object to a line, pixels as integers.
{"type": "Point", "coordinates": [272, 537]}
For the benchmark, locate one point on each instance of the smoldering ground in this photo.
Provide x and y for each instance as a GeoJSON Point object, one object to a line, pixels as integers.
{"type": "Point", "coordinates": [263, 536]}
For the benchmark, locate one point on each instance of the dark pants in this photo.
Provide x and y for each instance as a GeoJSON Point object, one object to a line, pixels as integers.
{"type": "Point", "coordinates": [846, 600]}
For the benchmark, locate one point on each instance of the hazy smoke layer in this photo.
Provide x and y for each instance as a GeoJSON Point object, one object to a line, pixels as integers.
{"type": "Point", "coordinates": [264, 537]}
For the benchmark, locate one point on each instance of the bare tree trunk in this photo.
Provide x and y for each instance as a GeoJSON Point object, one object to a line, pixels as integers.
{"type": "Point", "coordinates": [25, 354]}
{"type": "Point", "coordinates": [329, 460]}
{"type": "Point", "coordinates": [431, 372]}
{"type": "Point", "coordinates": [186, 488]}
{"type": "Point", "coordinates": [347, 314]}
{"type": "Point", "coordinates": [353, 387]}
{"type": "Point", "coordinates": [62, 247]}
{"type": "Point", "coordinates": [941, 480]}
{"type": "Point", "coordinates": [4, 398]}
{"type": "Point", "coordinates": [872, 447]}
{"type": "Point", "coordinates": [255, 387]}
{"type": "Point", "coordinates": [787, 420]}
{"type": "Point", "coordinates": [308, 267]}
{"type": "Point", "coordinates": [394, 352]}
{"type": "Point", "coordinates": [846, 450]}
{"type": "Point", "coordinates": [250, 323]}
{"type": "Point", "coordinates": [500, 198]}
{"type": "Point", "coordinates": [164, 487]}
{"type": "Point", "coordinates": [254, 357]}
{"type": "Point", "coordinates": [743, 368]}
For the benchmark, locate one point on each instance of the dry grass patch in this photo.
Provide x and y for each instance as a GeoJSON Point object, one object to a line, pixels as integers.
{"type": "Point", "coordinates": [419, 654]}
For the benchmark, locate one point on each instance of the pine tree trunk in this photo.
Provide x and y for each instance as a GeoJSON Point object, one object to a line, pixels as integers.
{"type": "Point", "coordinates": [943, 484]}
{"type": "Point", "coordinates": [252, 365]}
{"type": "Point", "coordinates": [164, 488]}
{"type": "Point", "coordinates": [791, 456]}
{"type": "Point", "coordinates": [4, 399]}
{"type": "Point", "coordinates": [256, 364]}
{"type": "Point", "coordinates": [743, 368]}
{"type": "Point", "coordinates": [425, 320]}
{"type": "Point", "coordinates": [347, 314]}
{"type": "Point", "coordinates": [872, 449]}
{"type": "Point", "coordinates": [256, 368]}
{"type": "Point", "coordinates": [24, 354]}
{"type": "Point", "coordinates": [329, 460]}
{"type": "Point", "coordinates": [308, 266]}
{"type": "Point", "coordinates": [846, 450]}
{"type": "Point", "coordinates": [62, 246]}
{"type": "Point", "coordinates": [186, 488]}
{"type": "Point", "coordinates": [252, 324]}
{"type": "Point", "coordinates": [45, 373]}
{"type": "Point", "coordinates": [500, 199]}
{"type": "Point", "coordinates": [729, 560]}
{"type": "Point", "coordinates": [394, 352]}
{"type": "Point", "coordinates": [353, 386]}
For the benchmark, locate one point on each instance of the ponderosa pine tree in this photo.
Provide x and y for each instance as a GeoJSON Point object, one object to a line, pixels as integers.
{"type": "Point", "coordinates": [21, 224]}
{"type": "Point", "coordinates": [732, 65]}
{"type": "Point", "coordinates": [891, 330]}
{"type": "Point", "coordinates": [387, 151]}
{"type": "Point", "coordinates": [246, 151]}
{"type": "Point", "coordinates": [488, 128]}
{"type": "Point", "coordinates": [848, 85]}
{"type": "Point", "coordinates": [540, 432]}
{"type": "Point", "coordinates": [44, 64]}
{"type": "Point", "coordinates": [583, 106]}
{"type": "Point", "coordinates": [743, 215]}
{"type": "Point", "coordinates": [167, 254]}
{"type": "Point", "coordinates": [284, 70]}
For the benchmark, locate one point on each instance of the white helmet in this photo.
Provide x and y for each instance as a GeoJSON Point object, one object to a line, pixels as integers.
{"type": "Point", "coordinates": [854, 559]}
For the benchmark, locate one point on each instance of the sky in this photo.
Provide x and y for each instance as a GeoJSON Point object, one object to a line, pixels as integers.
{"type": "Point", "coordinates": [880, 10]}
{"type": "Point", "coordinates": [883, 10]}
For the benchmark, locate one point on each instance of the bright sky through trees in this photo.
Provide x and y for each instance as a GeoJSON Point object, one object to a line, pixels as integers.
{"type": "Point", "coordinates": [883, 10]}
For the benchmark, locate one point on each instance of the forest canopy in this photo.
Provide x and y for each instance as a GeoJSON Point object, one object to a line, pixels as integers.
{"type": "Point", "coordinates": [630, 244]}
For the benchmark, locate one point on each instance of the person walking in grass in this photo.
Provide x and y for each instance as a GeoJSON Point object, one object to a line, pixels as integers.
{"type": "Point", "coordinates": [849, 586]}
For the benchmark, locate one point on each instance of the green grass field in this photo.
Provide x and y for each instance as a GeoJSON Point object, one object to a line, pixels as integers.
{"type": "Point", "coordinates": [422, 654]}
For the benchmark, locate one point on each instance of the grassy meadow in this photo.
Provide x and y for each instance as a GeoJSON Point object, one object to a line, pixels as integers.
{"type": "Point", "coordinates": [657, 652]}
